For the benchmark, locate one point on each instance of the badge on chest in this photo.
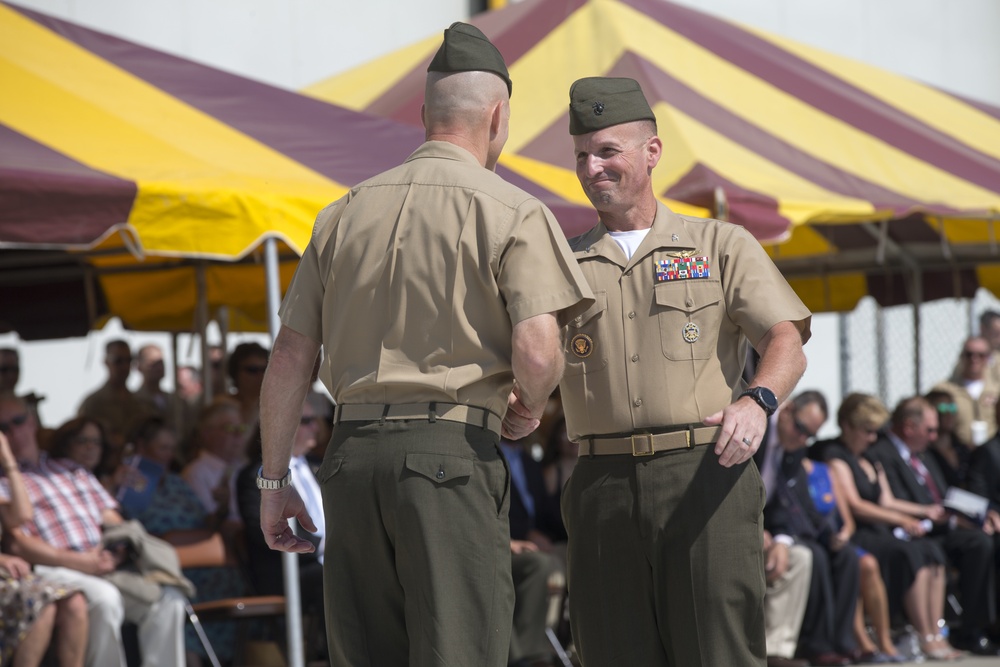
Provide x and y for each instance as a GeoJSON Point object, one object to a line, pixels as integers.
{"type": "Point", "coordinates": [681, 265]}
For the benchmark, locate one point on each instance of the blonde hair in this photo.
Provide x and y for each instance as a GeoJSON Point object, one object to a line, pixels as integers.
{"type": "Point", "coordinates": [862, 411]}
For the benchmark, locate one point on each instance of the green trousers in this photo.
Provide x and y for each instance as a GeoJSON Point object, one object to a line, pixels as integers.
{"type": "Point", "coordinates": [665, 561]}
{"type": "Point", "coordinates": [417, 564]}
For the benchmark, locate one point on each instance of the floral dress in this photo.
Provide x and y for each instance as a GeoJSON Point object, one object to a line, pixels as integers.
{"type": "Point", "coordinates": [21, 601]}
{"type": "Point", "coordinates": [174, 506]}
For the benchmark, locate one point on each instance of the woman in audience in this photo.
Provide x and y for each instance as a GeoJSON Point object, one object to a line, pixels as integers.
{"type": "Point", "coordinates": [912, 567]}
{"type": "Point", "coordinates": [828, 496]}
{"type": "Point", "coordinates": [164, 503]}
{"type": "Point", "coordinates": [83, 440]}
{"type": "Point", "coordinates": [30, 607]}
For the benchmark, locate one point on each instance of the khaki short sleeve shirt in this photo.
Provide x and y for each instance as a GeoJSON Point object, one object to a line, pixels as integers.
{"type": "Point", "coordinates": [413, 282]}
{"type": "Point", "coordinates": [663, 344]}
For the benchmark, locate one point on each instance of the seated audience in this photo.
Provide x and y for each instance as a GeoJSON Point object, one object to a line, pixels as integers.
{"type": "Point", "coordinates": [164, 503]}
{"type": "Point", "coordinates": [917, 488]}
{"type": "Point", "coordinates": [31, 608]}
{"type": "Point", "coordinates": [788, 572]}
{"type": "Point", "coordinates": [912, 568]}
{"type": "Point", "coordinates": [64, 541]}
{"type": "Point", "coordinates": [220, 441]}
{"type": "Point", "coordinates": [114, 405]}
{"type": "Point", "coordinates": [532, 563]}
{"type": "Point", "coordinates": [245, 368]}
{"type": "Point", "coordinates": [951, 453]}
{"type": "Point", "coordinates": [82, 441]}
{"type": "Point", "coordinates": [826, 637]}
{"type": "Point", "coordinates": [975, 392]}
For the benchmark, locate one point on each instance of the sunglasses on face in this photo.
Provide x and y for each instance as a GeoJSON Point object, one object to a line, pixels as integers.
{"type": "Point", "coordinates": [87, 440]}
{"type": "Point", "coordinates": [16, 420]}
{"type": "Point", "coordinates": [305, 420]}
{"type": "Point", "coordinates": [947, 408]}
{"type": "Point", "coordinates": [11, 370]}
{"type": "Point", "coordinates": [802, 429]}
{"type": "Point", "coordinates": [974, 354]}
{"type": "Point", "coordinates": [255, 370]}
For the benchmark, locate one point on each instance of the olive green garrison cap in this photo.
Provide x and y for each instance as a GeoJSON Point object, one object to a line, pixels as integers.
{"type": "Point", "coordinates": [467, 49]}
{"type": "Point", "coordinates": [598, 102]}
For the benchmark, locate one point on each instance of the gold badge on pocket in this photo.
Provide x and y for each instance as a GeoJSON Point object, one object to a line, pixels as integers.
{"type": "Point", "coordinates": [691, 332]}
{"type": "Point", "coordinates": [582, 345]}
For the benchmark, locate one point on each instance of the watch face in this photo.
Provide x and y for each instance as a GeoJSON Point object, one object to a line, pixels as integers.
{"type": "Point", "coordinates": [768, 397]}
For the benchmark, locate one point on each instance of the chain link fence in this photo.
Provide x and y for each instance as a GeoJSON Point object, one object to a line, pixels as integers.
{"type": "Point", "coordinates": [878, 346]}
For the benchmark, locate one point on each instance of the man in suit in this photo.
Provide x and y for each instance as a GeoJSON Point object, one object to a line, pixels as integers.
{"type": "Point", "coordinates": [919, 487]}
{"type": "Point", "coordinates": [531, 564]}
{"type": "Point", "coordinates": [826, 637]}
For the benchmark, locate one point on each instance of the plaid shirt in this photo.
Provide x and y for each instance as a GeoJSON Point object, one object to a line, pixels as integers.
{"type": "Point", "coordinates": [68, 502]}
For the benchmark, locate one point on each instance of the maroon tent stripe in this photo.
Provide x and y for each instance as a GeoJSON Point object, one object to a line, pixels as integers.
{"type": "Point", "coordinates": [76, 202]}
{"type": "Point", "coordinates": [522, 25]}
{"type": "Point", "coordinates": [756, 139]}
{"type": "Point", "coordinates": [824, 91]}
{"type": "Point", "coordinates": [754, 210]}
{"type": "Point", "coordinates": [514, 31]}
{"type": "Point", "coordinates": [552, 145]}
{"type": "Point", "coordinates": [278, 118]}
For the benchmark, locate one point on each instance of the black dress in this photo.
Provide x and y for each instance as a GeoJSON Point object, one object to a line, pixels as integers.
{"type": "Point", "coordinates": [899, 560]}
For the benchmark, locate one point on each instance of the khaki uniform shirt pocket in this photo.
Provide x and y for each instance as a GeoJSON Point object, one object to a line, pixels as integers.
{"type": "Point", "coordinates": [587, 339]}
{"type": "Point", "coordinates": [690, 314]}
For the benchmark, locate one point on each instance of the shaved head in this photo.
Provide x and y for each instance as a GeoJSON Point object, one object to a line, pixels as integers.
{"type": "Point", "coordinates": [461, 100]}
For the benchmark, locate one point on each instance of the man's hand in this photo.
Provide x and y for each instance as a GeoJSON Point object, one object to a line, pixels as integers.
{"type": "Point", "coordinates": [522, 546]}
{"type": "Point", "coordinates": [742, 422]}
{"type": "Point", "coordinates": [98, 562]}
{"type": "Point", "coordinates": [276, 507]}
{"type": "Point", "coordinates": [519, 421]}
{"type": "Point", "coordinates": [776, 561]}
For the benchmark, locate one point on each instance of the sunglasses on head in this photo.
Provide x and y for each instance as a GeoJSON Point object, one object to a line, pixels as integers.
{"type": "Point", "coordinates": [947, 408]}
{"type": "Point", "coordinates": [16, 420]}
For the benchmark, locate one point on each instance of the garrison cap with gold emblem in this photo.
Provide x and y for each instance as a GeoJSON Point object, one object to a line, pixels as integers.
{"type": "Point", "coordinates": [467, 49]}
{"type": "Point", "coordinates": [598, 102]}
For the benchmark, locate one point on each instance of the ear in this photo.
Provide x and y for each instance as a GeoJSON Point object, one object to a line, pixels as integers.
{"type": "Point", "coordinates": [496, 119]}
{"type": "Point", "coordinates": [423, 115]}
{"type": "Point", "coordinates": [654, 151]}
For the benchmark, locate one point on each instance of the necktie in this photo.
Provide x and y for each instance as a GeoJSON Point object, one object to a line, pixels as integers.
{"type": "Point", "coordinates": [925, 478]}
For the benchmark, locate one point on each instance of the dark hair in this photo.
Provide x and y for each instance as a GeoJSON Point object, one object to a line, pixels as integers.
{"type": "Point", "coordinates": [60, 441]}
{"type": "Point", "coordinates": [116, 342]}
{"type": "Point", "coordinates": [148, 429]}
{"type": "Point", "coordinates": [986, 318]}
{"type": "Point", "coordinates": [243, 352]}
{"type": "Point", "coordinates": [808, 397]}
{"type": "Point", "coordinates": [909, 409]}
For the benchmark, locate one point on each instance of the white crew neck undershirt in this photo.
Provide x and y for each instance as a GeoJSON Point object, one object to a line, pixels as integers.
{"type": "Point", "coordinates": [629, 241]}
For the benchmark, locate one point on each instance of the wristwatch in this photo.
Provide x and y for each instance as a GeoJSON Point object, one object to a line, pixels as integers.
{"type": "Point", "coordinates": [764, 397]}
{"type": "Point", "coordinates": [273, 484]}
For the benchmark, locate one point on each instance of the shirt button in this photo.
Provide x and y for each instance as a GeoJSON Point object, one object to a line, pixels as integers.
{"type": "Point", "coordinates": [635, 357]}
{"type": "Point", "coordinates": [689, 303]}
{"type": "Point", "coordinates": [440, 473]}
{"type": "Point", "coordinates": [631, 315]}
{"type": "Point", "coordinates": [637, 402]}
{"type": "Point", "coordinates": [629, 272]}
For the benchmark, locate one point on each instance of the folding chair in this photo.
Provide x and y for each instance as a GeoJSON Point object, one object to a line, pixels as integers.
{"type": "Point", "coordinates": [211, 552]}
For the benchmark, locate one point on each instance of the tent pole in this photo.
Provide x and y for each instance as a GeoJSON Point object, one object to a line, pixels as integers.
{"type": "Point", "coordinates": [293, 605]}
{"type": "Point", "coordinates": [202, 324]}
{"type": "Point", "coordinates": [916, 298]}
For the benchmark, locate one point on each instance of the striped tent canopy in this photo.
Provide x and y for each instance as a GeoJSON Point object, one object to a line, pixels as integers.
{"type": "Point", "coordinates": [856, 180]}
{"type": "Point", "coordinates": [140, 185]}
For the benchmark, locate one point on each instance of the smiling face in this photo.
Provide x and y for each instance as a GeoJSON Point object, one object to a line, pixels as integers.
{"type": "Point", "coordinates": [615, 165]}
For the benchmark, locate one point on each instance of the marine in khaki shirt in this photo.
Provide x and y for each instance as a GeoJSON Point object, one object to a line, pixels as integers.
{"type": "Point", "coordinates": [437, 290]}
{"type": "Point", "coordinates": [663, 509]}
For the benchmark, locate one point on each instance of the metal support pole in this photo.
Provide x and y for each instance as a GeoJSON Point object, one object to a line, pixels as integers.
{"type": "Point", "coordinates": [202, 324]}
{"type": "Point", "coordinates": [845, 353]}
{"type": "Point", "coordinates": [293, 603]}
{"type": "Point", "coordinates": [916, 298]}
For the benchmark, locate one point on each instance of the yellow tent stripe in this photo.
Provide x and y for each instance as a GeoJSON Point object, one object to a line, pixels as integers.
{"type": "Point", "coordinates": [797, 123]}
{"type": "Point", "coordinates": [359, 87]}
{"type": "Point", "coordinates": [799, 200]}
{"type": "Point", "coordinates": [941, 111]}
{"type": "Point", "coordinates": [184, 161]}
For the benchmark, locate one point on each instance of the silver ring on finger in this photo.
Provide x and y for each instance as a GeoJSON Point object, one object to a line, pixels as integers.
{"type": "Point", "coordinates": [748, 442]}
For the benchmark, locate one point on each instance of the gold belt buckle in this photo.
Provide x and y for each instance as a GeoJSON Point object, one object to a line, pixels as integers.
{"type": "Point", "coordinates": [642, 439]}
